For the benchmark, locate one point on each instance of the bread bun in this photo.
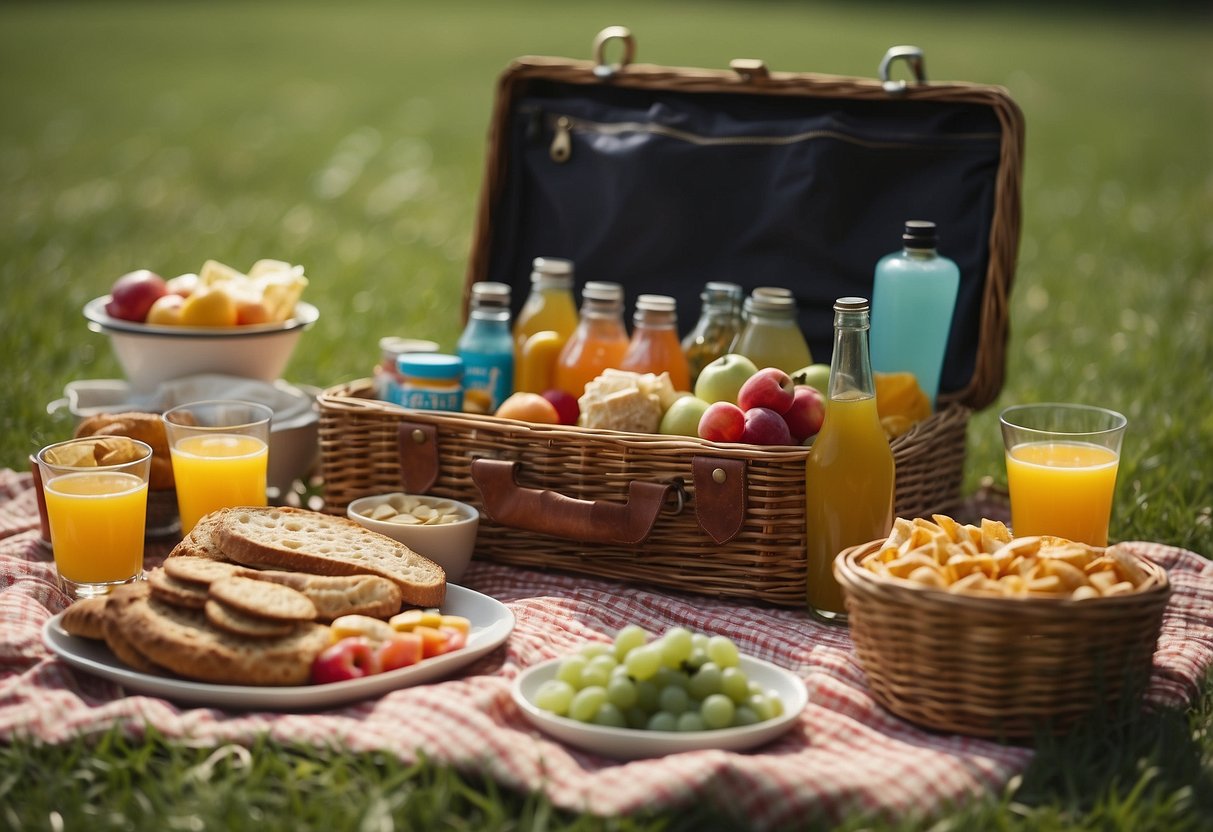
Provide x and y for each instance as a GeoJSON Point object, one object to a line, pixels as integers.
{"type": "Point", "coordinates": [146, 427]}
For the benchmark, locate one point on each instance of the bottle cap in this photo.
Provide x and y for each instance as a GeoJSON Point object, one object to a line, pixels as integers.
{"type": "Point", "coordinates": [771, 301]}
{"type": "Point", "coordinates": [851, 305]}
{"type": "Point", "coordinates": [602, 291]}
{"type": "Point", "coordinates": [393, 345]}
{"type": "Point", "coordinates": [772, 292]}
{"type": "Point", "coordinates": [655, 303]}
{"type": "Point", "coordinates": [919, 234]}
{"type": "Point", "coordinates": [551, 267]}
{"type": "Point", "coordinates": [490, 293]}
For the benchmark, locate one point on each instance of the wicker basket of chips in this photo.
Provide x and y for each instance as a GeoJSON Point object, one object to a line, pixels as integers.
{"type": "Point", "coordinates": [962, 629]}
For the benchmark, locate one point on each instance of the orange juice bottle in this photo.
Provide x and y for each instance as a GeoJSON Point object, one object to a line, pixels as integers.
{"type": "Point", "coordinates": [548, 308]}
{"type": "Point", "coordinates": [849, 475]}
{"type": "Point", "coordinates": [599, 341]}
{"type": "Point", "coordinates": [655, 346]}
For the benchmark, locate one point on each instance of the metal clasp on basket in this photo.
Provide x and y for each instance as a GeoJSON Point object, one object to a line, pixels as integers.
{"type": "Point", "coordinates": [602, 70]}
{"type": "Point", "coordinates": [913, 58]}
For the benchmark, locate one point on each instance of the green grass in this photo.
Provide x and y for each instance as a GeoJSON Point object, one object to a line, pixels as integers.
{"type": "Point", "coordinates": [349, 138]}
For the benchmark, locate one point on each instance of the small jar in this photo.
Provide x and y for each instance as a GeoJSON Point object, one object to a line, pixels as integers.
{"type": "Point", "coordinates": [431, 381]}
{"type": "Point", "coordinates": [387, 376]}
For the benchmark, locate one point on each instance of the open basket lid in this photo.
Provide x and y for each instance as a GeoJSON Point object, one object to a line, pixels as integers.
{"type": "Point", "coordinates": [665, 178]}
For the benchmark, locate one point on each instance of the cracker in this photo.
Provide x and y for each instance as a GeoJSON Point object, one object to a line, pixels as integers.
{"type": "Point", "coordinates": [200, 570]}
{"type": "Point", "coordinates": [85, 618]}
{"type": "Point", "coordinates": [264, 599]}
{"type": "Point", "coordinates": [232, 620]}
{"type": "Point", "coordinates": [173, 591]}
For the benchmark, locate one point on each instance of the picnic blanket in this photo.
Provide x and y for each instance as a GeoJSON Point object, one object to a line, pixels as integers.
{"type": "Point", "coordinates": [844, 754]}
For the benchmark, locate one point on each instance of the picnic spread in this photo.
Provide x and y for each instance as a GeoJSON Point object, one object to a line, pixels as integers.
{"type": "Point", "coordinates": [844, 753]}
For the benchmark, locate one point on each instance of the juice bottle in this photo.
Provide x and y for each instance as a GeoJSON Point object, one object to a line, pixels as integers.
{"type": "Point", "coordinates": [913, 299]}
{"type": "Point", "coordinates": [599, 341]}
{"type": "Point", "coordinates": [718, 325]}
{"type": "Point", "coordinates": [487, 349]}
{"type": "Point", "coordinates": [771, 336]}
{"type": "Point", "coordinates": [849, 473]}
{"type": "Point", "coordinates": [548, 308]}
{"type": "Point", "coordinates": [655, 347]}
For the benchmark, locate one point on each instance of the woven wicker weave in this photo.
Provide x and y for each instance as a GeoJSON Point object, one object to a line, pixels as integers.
{"type": "Point", "coordinates": [764, 562]}
{"type": "Point", "coordinates": [998, 667]}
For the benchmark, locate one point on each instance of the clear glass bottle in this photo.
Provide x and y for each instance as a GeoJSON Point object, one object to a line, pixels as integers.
{"type": "Point", "coordinates": [718, 326]}
{"type": "Point", "coordinates": [849, 474]}
{"type": "Point", "coordinates": [913, 300]}
{"type": "Point", "coordinates": [599, 341]}
{"type": "Point", "coordinates": [654, 347]}
{"type": "Point", "coordinates": [771, 336]}
{"type": "Point", "coordinates": [487, 348]}
{"type": "Point", "coordinates": [548, 308]}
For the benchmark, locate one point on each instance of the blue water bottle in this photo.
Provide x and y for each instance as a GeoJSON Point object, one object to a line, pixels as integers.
{"type": "Point", "coordinates": [487, 349]}
{"type": "Point", "coordinates": [913, 300]}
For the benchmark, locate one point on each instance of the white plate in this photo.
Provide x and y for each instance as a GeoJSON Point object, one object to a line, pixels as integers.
{"type": "Point", "coordinates": [491, 623]}
{"type": "Point", "coordinates": [632, 744]}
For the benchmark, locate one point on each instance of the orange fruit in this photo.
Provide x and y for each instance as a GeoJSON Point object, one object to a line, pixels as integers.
{"type": "Point", "coordinates": [529, 407]}
{"type": "Point", "coordinates": [209, 306]}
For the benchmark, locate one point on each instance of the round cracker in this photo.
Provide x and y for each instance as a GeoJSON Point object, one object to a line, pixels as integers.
{"type": "Point", "coordinates": [232, 620]}
{"type": "Point", "coordinates": [85, 618]}
{"type": "Point", "coordinates": [173, 591]}
{"type": "Point", "coordinates": [199, 570]}
{"type": "Point", "coordinates": [264, 599]}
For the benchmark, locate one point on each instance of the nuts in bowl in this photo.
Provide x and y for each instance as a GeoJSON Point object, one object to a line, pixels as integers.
{"type": "Point", "coordinates": [442, 530]}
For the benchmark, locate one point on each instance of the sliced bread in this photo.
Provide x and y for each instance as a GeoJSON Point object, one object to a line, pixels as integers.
{"type": "Point", "coordinates": [202, 541]}
{"type": "Point", "coordinates": [308, 541]}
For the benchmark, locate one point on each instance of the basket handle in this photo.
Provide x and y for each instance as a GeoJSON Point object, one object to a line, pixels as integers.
{"type": "Point", "coordinates": [553, 513]}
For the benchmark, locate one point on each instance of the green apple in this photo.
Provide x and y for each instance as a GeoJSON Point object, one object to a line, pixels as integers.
{"type": "Point", "coordinates": [720, 380]}
{"type": "Point", "coordinates": [682, 417]}
{"type": "Point", "coordinates": [816, 376]}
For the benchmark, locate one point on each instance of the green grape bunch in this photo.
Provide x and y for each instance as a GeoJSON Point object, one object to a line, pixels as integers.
{"type": "Point", "coordinates": [680, 681]}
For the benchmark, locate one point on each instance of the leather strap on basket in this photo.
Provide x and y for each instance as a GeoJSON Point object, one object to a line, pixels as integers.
{"type": "Point", "coordinates": [418, 446]}
{"type": "Point", "coordinates": [552, 513]}
{"type": "Point", "coordinates": [719, 496]}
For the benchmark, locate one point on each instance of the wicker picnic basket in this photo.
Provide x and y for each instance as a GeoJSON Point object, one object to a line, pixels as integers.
{"type": "Point", "coordinates": [682, 513]}
{"type": "Point", "coordinates": [998, 667]}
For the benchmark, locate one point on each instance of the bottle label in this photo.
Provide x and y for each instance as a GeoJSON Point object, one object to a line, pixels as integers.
{"type": "Point", "coordinates": [488, 379]}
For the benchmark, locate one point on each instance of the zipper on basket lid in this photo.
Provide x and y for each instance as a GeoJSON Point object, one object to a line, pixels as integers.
{"type": "Point", "coordinates": [561, 148]}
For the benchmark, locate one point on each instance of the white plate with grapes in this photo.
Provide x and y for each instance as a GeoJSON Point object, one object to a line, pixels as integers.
{"type": "Point", "coordinates": [641, 698]}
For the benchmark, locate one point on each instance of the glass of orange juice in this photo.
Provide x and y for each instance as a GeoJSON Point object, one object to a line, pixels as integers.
{"type": "Point", "coordinates": [1061, 469]}
{"type": "Point", "coordinates": [220, 451]}
{"type": "Point", "coordinates": [95, 491]}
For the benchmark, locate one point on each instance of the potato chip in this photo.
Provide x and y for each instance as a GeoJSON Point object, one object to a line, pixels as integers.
{"type": "Point", "coordinates": [1082, 593]}
{"type": "Point", "coordinates": [994, 533]}
{"type": "Point", "coordinates": [1128, 566]}
{"type": "Point", "coordinates": [928, 576]}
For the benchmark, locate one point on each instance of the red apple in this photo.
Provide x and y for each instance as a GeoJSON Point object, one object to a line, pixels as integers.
{"type": "Point", "coordinates": [770, 387]}
{"type": "Point", "coordinates": [133, 295]}
{"type": "Point", "coordinates": [350, 658]}
{"type": "Point", "coordinates": [807, 412]}
{"type": "Point", "coordinates": [764, 426]}
{"type": "Point", "coordinates": [401, 650]}
{"type": "Point", "coordinates": [566, 405]}
{"type": "Point", "coordinates": [722, 422]}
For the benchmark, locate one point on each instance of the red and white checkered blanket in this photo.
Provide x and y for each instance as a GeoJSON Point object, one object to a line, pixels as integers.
{"type": "Point", "coordinates": [846, 753]}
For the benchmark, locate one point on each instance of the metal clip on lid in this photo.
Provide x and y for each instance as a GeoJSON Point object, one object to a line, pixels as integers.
{"type": "Point", "coordinates": [913, 57]}
{"type": "Point", "coordinates": [602, 70]}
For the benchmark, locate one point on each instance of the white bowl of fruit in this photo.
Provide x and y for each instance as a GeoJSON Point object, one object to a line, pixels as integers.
{"type": "Point", "coordinates": [217, 321]}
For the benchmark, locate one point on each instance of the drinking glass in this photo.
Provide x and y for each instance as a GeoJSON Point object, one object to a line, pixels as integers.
{"type": "Point", "coordinates": [220, 450]}
{"type": "Point", "coordinates": [1061, 469]}
{"type": "Point", "coordinates": [95, 492]}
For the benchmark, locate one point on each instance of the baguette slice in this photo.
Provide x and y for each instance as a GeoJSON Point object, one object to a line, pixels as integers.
{"type": "Point", "coordinates": [203, 540]}
{"type": "Point", "coordinates": [308, 541]}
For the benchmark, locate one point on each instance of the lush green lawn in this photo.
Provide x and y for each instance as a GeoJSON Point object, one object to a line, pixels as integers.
{"type": "Point", "coordinates": [349, 138]}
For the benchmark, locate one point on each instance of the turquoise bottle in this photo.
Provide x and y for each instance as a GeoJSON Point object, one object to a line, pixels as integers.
{"type": "Point", "coordinates": [487, 348]}
{"type": "Point", "coordinates": [913, 301]}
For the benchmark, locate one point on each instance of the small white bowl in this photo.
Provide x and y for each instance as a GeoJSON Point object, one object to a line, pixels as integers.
{"type": "Point", "coordinates": [150, 354]}
{"type": "Point", "coordinates": [450, 545]}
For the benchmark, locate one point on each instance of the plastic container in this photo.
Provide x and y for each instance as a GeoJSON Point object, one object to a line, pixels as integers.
{"type": "Point", "coordinates": [599, 341]}
{"type": "Point", "coordinates": [431, 381]}
{"type": "Point", "coordinates": [386, 374]}
{"type": "Point", "coordinates": [548, 308]}
{"type": "Point", "coordinates": [913, 301]}
{"type": "Point", "coordinates": [849, 473]}
{"type": "Point", "coordinates": [654, 346]}
{"type": "Point", "coordinates": [771, 336]}
{"type": "Point", "coordinates": [718, 326]}
{"type": "Point", "coordinates": [487, 348]}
